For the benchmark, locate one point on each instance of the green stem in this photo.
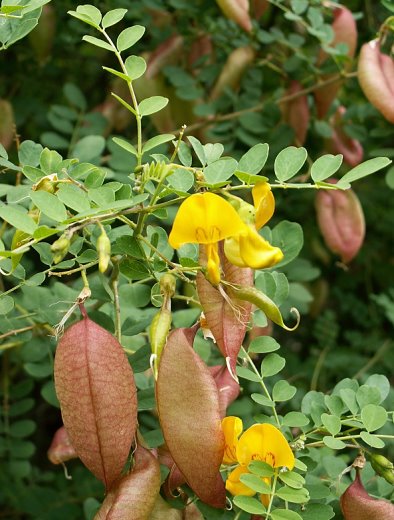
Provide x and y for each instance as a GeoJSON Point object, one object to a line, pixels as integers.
{"type": "Point", "coordinates": [272, 495]}
{"type": "Point", "coordinates": [261, 381]}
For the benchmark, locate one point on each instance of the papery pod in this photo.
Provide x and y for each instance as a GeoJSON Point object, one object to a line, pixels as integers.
{"type": "Point", "coordinates": [61, 448]}
{"type": "Point", "coordinates": [42, 36]}
{"type": "Point", "coordinates": [357, 504]}
{"type": "Point", "coordinates": [201, 47]}
{"type": "Point", "coordinates": [341, 221]}
{"type": "Point", "coordinates": [7, 123]}
{"type": "Point", "coordinates": [345, 31]}
{"type": "Point", "coordinates": [375, 75]}
{"type": "Point", "coordinates": [258, 8]}
{"type": "Point", "coordinates": [296, 112]}
{"type": "Point", "coordinates": [95, 387]}
{"type": "Point", "coordinates": [238, 11]}
{"type": "Point", "coordinates": [237, 63]}
{"type": "Point", "coordinates": [167, 53]}
{"type": "Point", "coordinates": [174, 478]}
{"type": "Point", "coordinates": [351, 149]}
{"type": "Point", "coordinates": [227, 319]}
{"type": "Point", "coordinates": [228, 388]}
{"type": "Point", "coordinates": [134, 496]}
{"type": "Point", "coordinates": [192, 512]}
{"type": "Point", "coordinates": [163, 511]}
{"type": "Point", "coordinates": [188, 407]}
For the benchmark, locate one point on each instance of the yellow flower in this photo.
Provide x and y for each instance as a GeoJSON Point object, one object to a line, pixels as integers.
{"type": "Point", "coordinates": [249, 249]}
{"type": "Point", "coordinates": [259, 442]}
{"type": "Point", "coordinates": [206, 218]}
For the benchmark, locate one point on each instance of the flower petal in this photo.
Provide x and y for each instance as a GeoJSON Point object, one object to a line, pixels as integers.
{"type": "Point", "coordinates": [204, 218]}
{"type": "Point", "coordinates": [264, 442]}
{"type": "Point", "coordinates": [213, 264]}
{"type": "Point", "coordinates": [232, 428]}
{"type": "Point", "coordinates": [235, 486]}
{"type": "Point", "coordinates": [264, 203]}
{"type": "Point", "coordinates": [249, 249]}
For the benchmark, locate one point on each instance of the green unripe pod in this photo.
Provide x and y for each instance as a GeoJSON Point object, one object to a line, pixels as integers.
{"type": "Point", "coordinates": [103, 246]}
{"type": "Point", "coordinates": [158, 332]}
{"type": "Point", "coordinates": [60, 248]}
{"type": "Point", "coordinates": [382, 466]}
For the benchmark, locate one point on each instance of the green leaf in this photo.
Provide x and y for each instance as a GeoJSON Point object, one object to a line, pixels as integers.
{"type": "Point", "coordinates": [75, 96]}
{"type": "Point", "coordinates": [362, 170]}
{"type": "Point", "coordinates": [50, 205]}
{"type": "Point", "coordinates": [50, 161]}
{"type": "Point", "coordinates": [263, 345]}
{"type": "Point", "coordinates": [73, 197]}
{"type": "Point", "coordinates": [6, 304]}
{"type": "Point", "coordinates": [254, 159]}
{"type": "Point", "coordinates": [21, 429]}
{"type": "Point", "coordinates": [246, 373]}
{"type": "Point", "coordinates": [381, 382]}
{"type": "Point", "coordinates": [295, 419]}
{"type": "Point", "coordinates": [296, 496]}
{"type": "Point", "coordinates": [152, 105]}
{"type": "Point", "coordinates": [261, 468]}
{"type": "Point", "coordinates": [181, 180]}
{"type": "Point", "coordinates": [263, 400]}
{"type": "Point", "coordinates": [157, 141]}
{"type": "Point", "coordinates": [288, 162]}
{"type": "Point", "coordinates": [325, 166]}
{"type": "Point", "coordinates": [256, 483]}
{"type": "Point", "coordinates": [83, 18]}
{"type": "Point", "coordinates": [348, 396]}
{"type": "Point", "coordinates": [249, 504]}
{"type": "Point", "coordinates": [220, 170]}
{"type": "Point", "coordinates": [372, 440]}
{"type": "Point", "coordinates": [373, 417]}
{"type": "Point", "coordinates": [3, 152]}
{"type": "Point", "coordinates": [318, 512]}
{"type": "Point", "coordinates": [333, 443]}
{"type": "Point", "coordinates": [117, 73]}
{"type": "Point", "coordinates": [135, 66]}
{"type": "Point", "coordinates": [285, 514]}
{"type": "Point", "coordinates": [39, 370]}
{"type": "Point", "coordinates": [332, 423]}
{"type": "Point", "coordinates": [29, 153]}
{"type": "Point", "coordinates": [368, 395]}
{"type": "Point", "coordinates": [124, 103]}
{"type": "Point", "coordinates": [213, 152]}
{"type": "Point", "coordinates": [89, 147]}
{"type": "Point", "coordinates": [91, 12]}
{"type": "Point", "coordinates": [299, 6]}
{"type": "Point", "coordinates": [133, 269]}
{"type": "Point", "coordinates": [113, 17]}
{"type": "Point", "coordinates": [292, 479]}
{"type": "Point", "coordinates": [130, 36]}
{"type": "Point", "coordinates": [125, 145]}
{"type": "Point", "coordinates": [248, 178]}
{"type": "Point", "coordinates": [272, 364]}
{"type": "Point", "coordinates": [198, 149]}
{"type": "Point", "coordinates": [283, 391]}
{"type": "Point", "coordinates": [18, 218]}
{"type": "Point", "coordinates": [98, 42]}
{"type": "Point", "coordinates": [289, 237]}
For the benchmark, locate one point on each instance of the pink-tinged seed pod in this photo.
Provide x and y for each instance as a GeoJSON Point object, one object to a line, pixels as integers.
{"type": "Point", "coordinates": [296, 112]}
{"type": "Point", "coordinates": [341, 221]}
{"type": "Point", "coordinates": [201, 48]}
{"type": "Point", "coordinates": [238, 61]}
{"type": "Point", "coordinates": [357, 504]}
{"type": "Point", "coordinates": [61, 448]}
{"type": "Point", "coordinates": [340, 142]}
{"type": "Point", "coordinates": [238, 11]}
{"type": "Point", "coordinates": [345, 31]}
{"type": "Point", "coordinates": [7, 123]}
{"type": "Point", "coordinates": [375, 75]}
{"type": "Point", "coordinates": [167, 53]}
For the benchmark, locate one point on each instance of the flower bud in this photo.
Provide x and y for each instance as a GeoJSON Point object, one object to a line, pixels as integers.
{"type": "Point", "coordinates": [167, 285]}
{"type": "Point", "coordinates": [382, 466]}
{"type": "Point", "coordinates": [238, 11]}
{"type": "Point", "coordinates": [375, 75]}
{"type": "Point", "coordinates": [357, 504]}
{"type": "Point", "coordinates": [47, 183]}
{"type": "Point", "coordinates": [60, 248]}
{"type": "Point", "coordinates": [341, 221]}
{"type": "Point", "coordinates": [103, 246]}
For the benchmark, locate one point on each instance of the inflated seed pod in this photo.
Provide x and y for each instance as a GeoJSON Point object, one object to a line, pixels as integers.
{"type": "Point", "coordinates": [238, 11]}
{"type": "Point", "coordinates": [97, 394]}
{"type": "Point", "coordinates": [61, 449]}
{"type": "Point", "coordinates": [375, 75]}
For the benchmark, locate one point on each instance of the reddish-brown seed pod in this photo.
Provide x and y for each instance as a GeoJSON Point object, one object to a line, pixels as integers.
{"type": "Point", "coordinates": [95, 387]}
{"type": "Point", "coordinates": [296, 112]}
{"type": "Point", "coordinates": [259, 7]}
{"type": "Point", "coordinates": [238, 61]}
{"type": "Point", "coordinates": [340, 142]}
{"type": "Point", "coordinates": [345, 31]}
{"type": "Point", "coordinates": [375, 75]}
{"type": "Point", "coordinates": [238, 11]}
{"type": "Point", "coordinates": [341, 222]}
{"type": "Point", "coordinates": [357, 504]}
{"type": "Point", "coordinates": [61, 448]}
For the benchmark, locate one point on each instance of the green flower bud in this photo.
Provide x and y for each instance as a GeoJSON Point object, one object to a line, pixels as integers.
{"type": "Point", "coordinates": [60, 248]}
{"type": "Point", "coordinates": [167, 285]}
{"type": "Point", "coordinates": [382, 466]}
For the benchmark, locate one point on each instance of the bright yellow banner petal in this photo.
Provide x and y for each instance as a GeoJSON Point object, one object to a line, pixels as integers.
{"type": "Point", "coordinates": [213, 263]}
{"type": "Point", "coordinates": [264, 442]}
{"type": "Point", "coordinates": [256, 252]}
{"type": "Point", "coordinates": [232, 428]}
{"type": "Point", "coordinates": [232, 252]}
{"type": "Point", "coordinates": [235, 486]}
{"type": "Point", "coordinates": [204, 218]}
{"type": "Point", "coordinates": [264, 202]}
